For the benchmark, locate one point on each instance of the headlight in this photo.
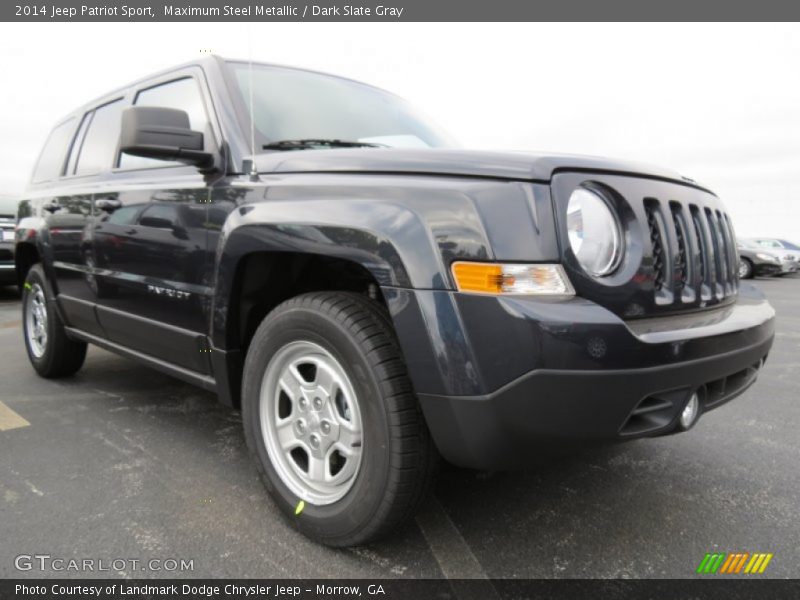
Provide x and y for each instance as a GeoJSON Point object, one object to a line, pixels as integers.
{"type": "Point", "coordinates": [594, 232]}
{"type": "Point", "coordinates": [766, 257]}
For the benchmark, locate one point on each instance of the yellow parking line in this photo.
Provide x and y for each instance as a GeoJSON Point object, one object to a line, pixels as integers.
{"type": "Point", "coordinates": [9, 419]}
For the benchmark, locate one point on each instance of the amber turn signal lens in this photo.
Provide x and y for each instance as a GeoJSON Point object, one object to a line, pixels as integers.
{"type": "Point", "coordinates": [478, 277]}
{"type": "Point", "coordinates": [494, 278]}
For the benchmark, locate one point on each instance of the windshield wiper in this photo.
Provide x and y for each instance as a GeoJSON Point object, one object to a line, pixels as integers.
{"type": "Point", "coordinates": [306, 144]}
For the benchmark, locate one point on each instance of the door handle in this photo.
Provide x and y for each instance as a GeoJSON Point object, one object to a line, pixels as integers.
{"type": "Point", "coordinates": [131, 231]}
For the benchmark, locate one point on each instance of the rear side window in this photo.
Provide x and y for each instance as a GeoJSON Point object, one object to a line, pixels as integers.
{"type": "Point", "coordinates": [182, 94]}
{"type": "Point", "coordinates": [51, 162]}
{"type": "Point", "coordinates": [99, 146]}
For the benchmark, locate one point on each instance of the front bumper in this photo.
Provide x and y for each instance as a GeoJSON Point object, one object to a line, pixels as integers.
{"type": "Point", "coordinates": [767, 269]}
{"type": "Point", "coordinates": [571, 372]}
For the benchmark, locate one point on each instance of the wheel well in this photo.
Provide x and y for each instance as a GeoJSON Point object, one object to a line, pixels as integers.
{"type": "Point", "coordinates": [265, 279]}
{"type": "Point", "coordinates": [25, 256]}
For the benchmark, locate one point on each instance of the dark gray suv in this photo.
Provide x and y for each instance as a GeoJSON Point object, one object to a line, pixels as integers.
{"type": "Point", "coordinates": [372, 297]}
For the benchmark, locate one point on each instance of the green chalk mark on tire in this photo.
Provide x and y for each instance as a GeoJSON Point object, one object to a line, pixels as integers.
{"type": "Point", "coordinates": [299, 508]}
{"type": "Point", "coordinates": [27, 286]}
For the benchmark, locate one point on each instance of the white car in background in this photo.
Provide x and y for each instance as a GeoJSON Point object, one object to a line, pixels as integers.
{"type": "Point", "coordinates": [788, 252]}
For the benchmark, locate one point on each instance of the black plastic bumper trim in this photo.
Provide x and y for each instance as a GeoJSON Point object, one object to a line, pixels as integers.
{"type": "Point", "coordinates": [550, 407]}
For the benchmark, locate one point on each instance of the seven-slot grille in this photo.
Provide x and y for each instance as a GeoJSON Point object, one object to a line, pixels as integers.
{"type": "Point", "coordinates": [693, 251]}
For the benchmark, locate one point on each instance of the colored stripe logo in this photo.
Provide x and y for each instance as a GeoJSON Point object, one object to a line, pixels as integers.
{"type": "Point", "coordinates": [734, 563]}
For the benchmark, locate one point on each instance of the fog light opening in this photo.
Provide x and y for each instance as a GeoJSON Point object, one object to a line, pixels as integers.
{"type": "Point", "coordinates": [690, 412]}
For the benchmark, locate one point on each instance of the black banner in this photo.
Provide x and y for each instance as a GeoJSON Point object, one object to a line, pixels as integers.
{"type": "Point", "coordinates": [398, 10]}
{"type": "Point", "coordinates": [418, 589]}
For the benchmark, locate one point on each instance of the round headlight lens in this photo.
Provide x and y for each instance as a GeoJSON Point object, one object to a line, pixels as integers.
{"type": "Point", "coordinates": [594, 232]}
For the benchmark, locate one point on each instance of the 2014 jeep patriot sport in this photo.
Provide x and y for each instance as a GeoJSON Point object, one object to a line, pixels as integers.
{"type": "Point", "coordinates": [370, 298]}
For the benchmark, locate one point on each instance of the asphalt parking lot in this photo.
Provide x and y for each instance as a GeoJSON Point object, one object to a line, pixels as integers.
{"type": "Point", "coordinates": [124, 462]}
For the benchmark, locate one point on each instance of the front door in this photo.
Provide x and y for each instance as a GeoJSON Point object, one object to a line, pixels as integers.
{"type": "Point", "coordinates": [149, 252]}
{"type": "Point", "coordinates": [149, 241]}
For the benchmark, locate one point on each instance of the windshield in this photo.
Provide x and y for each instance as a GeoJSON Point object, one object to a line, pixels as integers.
{"type": "Point", "coordinates": [291, 104]}
{"type": "Point", "coordinates": [790, 245]}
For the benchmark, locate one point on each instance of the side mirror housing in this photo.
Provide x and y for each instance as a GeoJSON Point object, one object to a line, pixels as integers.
{"type": "Point", "coordinates": [108, 205]}
{"type": "Point", "coordinates": [163, 134]}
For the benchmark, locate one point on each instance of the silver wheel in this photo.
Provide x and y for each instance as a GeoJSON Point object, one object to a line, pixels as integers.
{"type": "Point", "coordinates": [744, 269]}
{"type": "Point", "coordinates": [36, 320]}
{"type": "Point", "coordinates": [311, 422]}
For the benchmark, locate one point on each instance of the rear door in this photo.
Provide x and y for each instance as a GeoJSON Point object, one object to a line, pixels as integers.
{"type": "Point", "coordinates": [64, 212]}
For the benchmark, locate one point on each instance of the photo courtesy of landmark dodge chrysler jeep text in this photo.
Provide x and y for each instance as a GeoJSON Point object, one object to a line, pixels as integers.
{"type": "Point", "coordinates": [371, 297]}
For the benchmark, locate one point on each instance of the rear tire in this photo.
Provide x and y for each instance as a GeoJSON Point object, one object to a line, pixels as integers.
{"type": "Point", "coordinates": [387, 460]}
{"type": "Point", "coordinates": [50, 351]}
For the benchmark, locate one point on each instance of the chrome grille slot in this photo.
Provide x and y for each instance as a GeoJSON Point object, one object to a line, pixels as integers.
{"type": "Point", "coordinates": [720, 262]}
{"type": "Point", "coordinates": [702, 252]}
{"type": "Point", "coordinates": [683, 263]}
{"type": "Point", "coordinates": [732, 254]}
{"type": "Point", "coordinates": [658, 242]}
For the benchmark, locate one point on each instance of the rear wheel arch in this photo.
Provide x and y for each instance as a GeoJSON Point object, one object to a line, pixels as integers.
{"type": "Point", "coordinates": [25, 256]}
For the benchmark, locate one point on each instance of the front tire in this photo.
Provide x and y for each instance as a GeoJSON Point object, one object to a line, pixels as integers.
{"type": "Point", "coordinates": [50, 351]}
{"type": "Point", "coordinates": [331, 419]}
{"type": "Point", "coordinates": [745, 269]}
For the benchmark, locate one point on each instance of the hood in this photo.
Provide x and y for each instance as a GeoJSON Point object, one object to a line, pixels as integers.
{"type": "Point", "coordinates": [776, 252]}
{"type": "Point", "coordinates": [780, 252]}
{"type": "Point", "coordinates": [464, 163]}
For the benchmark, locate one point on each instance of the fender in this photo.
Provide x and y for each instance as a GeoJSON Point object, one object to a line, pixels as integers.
{"type": "Point", "coordinates": [405, 230]}
{"type": "Point", "coordinates": [390, 241]}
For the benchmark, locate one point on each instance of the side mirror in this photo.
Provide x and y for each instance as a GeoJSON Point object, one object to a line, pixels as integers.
{"type": "Point", "coordinates": [163, 134]}
{"type": "Point", "coordinates": [52, 206]}
{"type": "Point", "coordinates": [108, 205]}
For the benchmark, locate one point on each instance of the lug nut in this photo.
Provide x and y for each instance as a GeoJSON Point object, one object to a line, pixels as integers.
{"type": "Point", "coordinates": [303, 403]}
{"type": "Point", "coordinates": [325, 427]}
{"type": "Point", "coordinates": [317, 403]}
{"type": "Point", "coordinates": [300, 425]}
{"type": "Point", "coordinates": [314, 441]}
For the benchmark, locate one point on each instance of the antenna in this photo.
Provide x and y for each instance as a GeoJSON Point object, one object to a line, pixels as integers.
{"type": "Point", "coordinates": [253, 169]}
